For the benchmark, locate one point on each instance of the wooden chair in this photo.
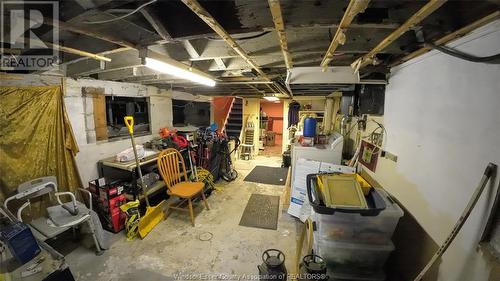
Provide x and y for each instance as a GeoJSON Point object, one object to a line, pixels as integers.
{"type": "Point", "coordinates": [172, 169]}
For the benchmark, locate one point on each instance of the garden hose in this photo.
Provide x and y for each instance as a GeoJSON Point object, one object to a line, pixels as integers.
{"type": "Point", "coordinates": [133, 217]}
{"type": "Point", "coordinates": [205, 176]}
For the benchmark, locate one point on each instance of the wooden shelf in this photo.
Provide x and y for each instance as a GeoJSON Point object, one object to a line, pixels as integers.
{"type": "Point", "coordinates": [155, 188]}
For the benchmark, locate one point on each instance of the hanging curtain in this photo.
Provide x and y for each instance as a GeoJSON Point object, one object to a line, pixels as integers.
{"type": "Point", "coordinates": [36, 139]}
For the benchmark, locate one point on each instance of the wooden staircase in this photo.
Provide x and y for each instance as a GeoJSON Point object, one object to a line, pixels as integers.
{"type": "Point", "coordinates": [235, 119]}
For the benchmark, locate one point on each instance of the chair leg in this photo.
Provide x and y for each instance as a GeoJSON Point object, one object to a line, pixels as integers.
{"type": "Point", "coordinates": [191, 213]}
{"type": "Point", "coordinates": [73, 229]}
{"type": "Point", "coordinates": [167, 212]}
{"type": "Point", "coordinates": [204, 199]}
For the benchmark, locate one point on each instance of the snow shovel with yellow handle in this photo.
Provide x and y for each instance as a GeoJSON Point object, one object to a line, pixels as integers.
{"type": "Point", "coordinates": [154, 215]}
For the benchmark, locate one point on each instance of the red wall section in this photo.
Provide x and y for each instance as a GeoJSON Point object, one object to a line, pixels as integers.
{"type": "Point", "coordinates": [221, 109]}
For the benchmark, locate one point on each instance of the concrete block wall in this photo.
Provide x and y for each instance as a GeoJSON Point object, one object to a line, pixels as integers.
{"type": "Point", "coordinates": [79, 109]}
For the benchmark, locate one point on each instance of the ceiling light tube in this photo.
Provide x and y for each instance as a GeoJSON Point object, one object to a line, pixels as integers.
{"type": "Point", "coordinates": [271, 98]}
{"type": "Point", "coordinates": [173, 70]}
{"type": "Point", "coordinates": [172, 67]}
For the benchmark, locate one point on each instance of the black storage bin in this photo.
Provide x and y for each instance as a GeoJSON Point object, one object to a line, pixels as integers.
{"type": "Point", "coordinates": [375, 202]}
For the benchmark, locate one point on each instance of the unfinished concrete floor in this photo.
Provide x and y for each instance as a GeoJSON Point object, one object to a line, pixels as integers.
{"type": "Point", "coordinates": [174, 246]}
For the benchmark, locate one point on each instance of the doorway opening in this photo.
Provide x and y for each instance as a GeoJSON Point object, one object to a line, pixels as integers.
{"type": "Point", "coordinates": [271, 128]}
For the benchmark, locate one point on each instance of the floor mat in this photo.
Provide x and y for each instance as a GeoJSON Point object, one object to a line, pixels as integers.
{"type": "Point", "coordinates": [268, 175]}
{"type": "Point", "coordinates": [261, 212]}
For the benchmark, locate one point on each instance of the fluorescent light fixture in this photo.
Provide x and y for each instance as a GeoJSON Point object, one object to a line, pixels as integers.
{"type": "Point", "coordinates": [270, 98]}
{"type": "Point", "coordinates": [179, 72]}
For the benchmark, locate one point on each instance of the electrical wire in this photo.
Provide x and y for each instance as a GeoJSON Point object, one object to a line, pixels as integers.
{"type": "Point", "coordinates": [121, 17]}
{"type": "Point", "coordinates": [493, 59]}
{"type": "Point", "coordinates": [352, 127]}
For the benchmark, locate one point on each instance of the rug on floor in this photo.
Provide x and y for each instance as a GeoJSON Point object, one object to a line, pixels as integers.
{"type": "Point", "coordinates": [268, 175]}
{"type": "Point", "coordinates": [261, 212]}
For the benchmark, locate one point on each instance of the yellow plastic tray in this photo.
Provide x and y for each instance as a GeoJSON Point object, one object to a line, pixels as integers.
{"type": "Point", "coordinates": [342, 192]}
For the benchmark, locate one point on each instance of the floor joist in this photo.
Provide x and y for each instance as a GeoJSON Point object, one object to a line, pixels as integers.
{"type": "Point", "coordinates": [449, 37]}
{"type": "Point", "coordinates": [420, 15]}
{"type": "Point", "coordinates": [212, 22]}
{"type": "Point", "coordinates": [355, 7]}
{"type": "Point", "coordinates": [279, 25]}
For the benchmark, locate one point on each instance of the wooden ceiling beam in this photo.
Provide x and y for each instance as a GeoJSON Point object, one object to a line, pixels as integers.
{"type": "Point", "coordinates": [415, 19]}
{"type": "Point", "coordinates": [212, 22]}
{"type": "Point", "coordinates": [450, 37]}
{"type": "Point", "coordinates": [353, 9]}
{"type": "Point", "coordinates": [279, 25]}
{"type": "Point", "coordinates": [76, 52]}
{"type": "Point", "coordinates": [149, 14]}
{"type": "Point", "coordinates": [91, 33]}
{"type": "Point", "coordinates": [244, 79]}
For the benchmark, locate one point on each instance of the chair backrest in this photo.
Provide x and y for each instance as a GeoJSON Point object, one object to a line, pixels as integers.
{"type": "Point", "coordinates": [36, 188]}
{"type": "Point", "coordinates": [171, 166]}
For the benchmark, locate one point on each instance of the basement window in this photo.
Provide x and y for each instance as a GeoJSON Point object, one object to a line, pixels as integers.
{"type": "Point", "coordinates": [191, 113]}
{"type": "Point", "coordinates": [119, 107]}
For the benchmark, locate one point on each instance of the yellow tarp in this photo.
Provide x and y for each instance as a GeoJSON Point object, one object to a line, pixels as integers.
{"type": "Point", "coordinates": [36, 138]}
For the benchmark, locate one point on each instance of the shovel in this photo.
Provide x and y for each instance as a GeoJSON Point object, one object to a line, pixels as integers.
{"type": "Point", "coordinates": [154, 215]}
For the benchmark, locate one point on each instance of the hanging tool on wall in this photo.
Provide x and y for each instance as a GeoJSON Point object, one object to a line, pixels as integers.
{"type": "Point", "coordinates": [488, 173]}
{"type": "Point", "coordinates": [154, 215]}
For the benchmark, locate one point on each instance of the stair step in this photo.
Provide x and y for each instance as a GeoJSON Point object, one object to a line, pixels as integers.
{"type": "Point", "coordinates": [230, 131]}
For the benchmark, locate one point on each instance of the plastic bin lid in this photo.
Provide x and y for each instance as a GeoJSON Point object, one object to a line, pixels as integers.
{"type": "Point", "coordinates": [329, 243]}
{"type": "Point", "coordinates": [391, 206]}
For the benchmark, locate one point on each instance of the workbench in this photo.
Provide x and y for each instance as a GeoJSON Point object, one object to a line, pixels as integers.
{"type": "Point", "coordinates": [111, 169]}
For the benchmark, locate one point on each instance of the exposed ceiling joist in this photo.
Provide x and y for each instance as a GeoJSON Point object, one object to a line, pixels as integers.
{"type": "Point", "coordinates": [91, 33]}
{"type": "Point", "coordinates": [77, 52]}
{"type": "Point", "coordinates": [155, 78]}
{"type": "Point", "coordinates": [212, 22]}
{"type": "Point", "coordinates": [190, 49]}
{"type": "Point", "coordinates": [244, 79]}
{"type": "Point", "coordinates": [156, 23]}
{"type": "Point", "coordinates": [220, 63]}
{"type": "Point", "coordinates": [450, 37]}
{"type": "Point", "coordinates": [254, 88]}
{"type": "Point", "coordinates": [353, 25]}
{"type": "Point", "coordinates": [123, 74]}
{"type": "Point", "coordinates": [415, 19]}
{"type": "Point", "coordinates": [62, 49]}
{"type": "Point", "coordinates": [355, 7]}
{"type": "Point", "coordinates": [105, 53]}
{"type": "Point", "coordinates": [120, 60]}
{"type": "Point", "coordinates": [279, 25]}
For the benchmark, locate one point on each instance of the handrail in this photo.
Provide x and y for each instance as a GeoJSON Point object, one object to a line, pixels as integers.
{"type": "Point", "coordinates": [227, 115]}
